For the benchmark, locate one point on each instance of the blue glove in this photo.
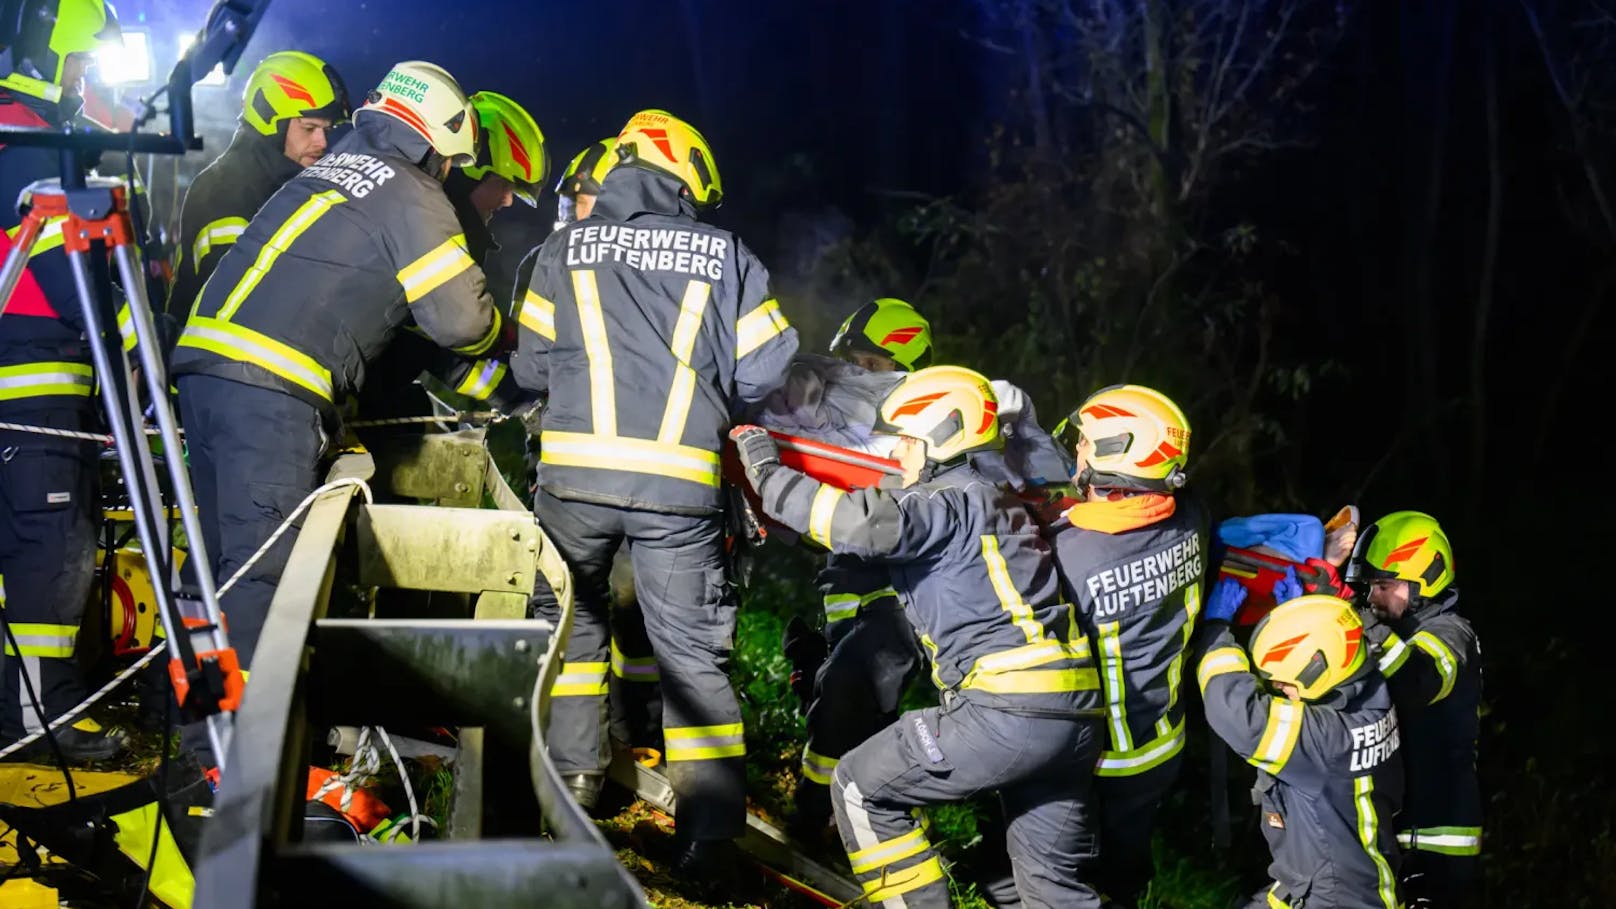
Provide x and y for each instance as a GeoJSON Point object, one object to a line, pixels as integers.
{"type": "Point", "coordinates": [1227, 595]}
{"type": "Point", "coordinates": [1287, 588]}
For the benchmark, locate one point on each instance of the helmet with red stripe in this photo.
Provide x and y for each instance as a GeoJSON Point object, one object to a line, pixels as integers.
{"type": "Point", "coordinates": [427, 99]}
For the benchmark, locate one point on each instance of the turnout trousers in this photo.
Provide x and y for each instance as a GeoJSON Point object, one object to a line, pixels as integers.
{"type": "Point", "coordinates": [255, 455]}
{"type": "Point", "coordinates": [1042, 768]}
{"type": "Point", "coordinates": [689, 614]}
{"type": "Point", "coordinates": [873, 657]}
{"type": "Point", "coordinates": [48, 521]}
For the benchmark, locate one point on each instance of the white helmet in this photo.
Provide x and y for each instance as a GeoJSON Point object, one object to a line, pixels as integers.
{"type": "Point", "coordinates": [427, 99]}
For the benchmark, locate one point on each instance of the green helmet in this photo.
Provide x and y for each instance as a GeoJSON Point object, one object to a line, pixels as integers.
{"type": "Point", "coordinates": [888, 327]}
{"type": "Point", "coordinates": [42, 36]}
{"type": "Point", "coordinates": [512, 147]}
{"type": "Point", "coordinates": [290, 84]}
{"type": "Point", "coordinates": [1407, 545]}
{"type": "Point", "coordinates": [583, 175]}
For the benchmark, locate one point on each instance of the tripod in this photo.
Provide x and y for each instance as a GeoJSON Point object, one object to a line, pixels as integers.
{"type": "Point", "coordinates": [95, 221]}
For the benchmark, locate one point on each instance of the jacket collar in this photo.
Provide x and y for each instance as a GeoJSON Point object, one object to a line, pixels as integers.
{"type": "Point", "coordinates": [630, 191]}
{"type": "Point", "coordinates": [265, 153]}
{"type": "Point", "coordinates": [381, 134]}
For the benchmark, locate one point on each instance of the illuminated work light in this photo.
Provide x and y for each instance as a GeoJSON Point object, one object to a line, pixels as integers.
{"type": "Point", "coordinates": [129, 63]}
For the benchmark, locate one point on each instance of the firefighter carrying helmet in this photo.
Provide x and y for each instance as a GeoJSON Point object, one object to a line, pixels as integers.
{"type": "Point", "coordinates": [512, 146]}
{"type": "Point", "coordinates": [1141, 439]}
{"type": "Point", "coordinates": [1407, 545]}
{"type": "Point", "coordinates": [888, 327]}
{"type": "Point", "coordinates": [290, 84]}
{"type": "Point", "coordinates": [660, 141]}
{"type": "Point", "coordinates": [951, 408]}
{"type": "Point", "coordinates": [424, 97]}
{"type": "Point", "coordinates": [1314, 642]}
{"type": "Point", "coordinates": [39, 35]}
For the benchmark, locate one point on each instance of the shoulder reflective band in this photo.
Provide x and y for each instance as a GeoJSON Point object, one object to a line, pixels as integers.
{"type": "Point", "coordinates": [301, 220]}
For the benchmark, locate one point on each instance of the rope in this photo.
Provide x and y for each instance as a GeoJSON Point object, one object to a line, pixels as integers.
{"type": "Point", "coordinates": [475, 416]}
{"type": "Point", "coordinates": [74, 434]}
{"type": "Point", "coordinates": [144, 661]}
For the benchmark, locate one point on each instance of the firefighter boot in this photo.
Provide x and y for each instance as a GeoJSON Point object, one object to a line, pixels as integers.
{"type": "Point", "coordinates": [584, 789]}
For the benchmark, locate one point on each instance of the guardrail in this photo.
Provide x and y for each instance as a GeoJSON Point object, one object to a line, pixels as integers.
{"type": "Point", "coordinates": [514, 836]}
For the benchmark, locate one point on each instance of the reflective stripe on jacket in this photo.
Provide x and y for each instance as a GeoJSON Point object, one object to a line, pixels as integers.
{"type": "Point", "coordinates": [974, 574]}
{"type": "Point", "coordinates": [218, 206]}
{"type": "Point", "coordinates": [1329, 776]}
{"type": "Point", "coordinates": [333, 264]}
{"type": "Point", "coordinates": [1432, 662]}
{"type": "Point", "coordinates": [1137, 594]}
{"type": "Point", "coordinates": [649, 331]}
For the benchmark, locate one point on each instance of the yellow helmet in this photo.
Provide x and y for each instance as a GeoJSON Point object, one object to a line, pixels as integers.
{"type": "Point", "coordinates": [1407, 545]}
{"type": "Point", "coordinates": [1314, 642]}
{"type": "Point", "coordinates": [1141, 439]}
{"type": "Point", "coordinates": [512, 146]}
{"type": "Point", "coordinates": [660, 141]}
{"type": "Point", "coordinates": [39, 35]}
{"type": "Point", "coordinates": [290, 84]}
{"type": "Point", "coordinates": [951, 408]}
{"type": "Point", "coordinates": [428, 100]}
{"type": "Point", "coordinates": [889, 327]}
{"type": "Point", "coordinates": [583, 176]}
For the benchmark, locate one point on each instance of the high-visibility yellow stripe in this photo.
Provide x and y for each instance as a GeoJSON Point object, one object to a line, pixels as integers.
{"type": "Point", "coordinates": [885, 853]}
{"type": "Point", "coordinates": [431, 270]}
{"type": "Point", "coordinates": [821, 513]}
{"type": "Point", "coordinates": [1363, 789]}
{"type": "Point", "coordinates": [754, 329]}
{"type": "Point", "coordinates": [34, 380]}
{"type": "Point", "coordinates": [1175, 669]}
{"type": "Point", "coordinates": [1447, 665]}
{"type": "Point", "coordinates": [222, 232]}
{"type": "Point", "coordinates": [481, 380]}
{"type": "Point", "coordinates": [699, 743]}
{"type": "Point", "coordinates": [39, 639]}
{"type": "Point", "coordinates": [818, 767]}
{"type": "Point", "coordinates": [683, 346]}
{"type": "Point", "coordinates": [634, 669]}
{"type": "Point", "coordinates": [481, 345]}
{"type": "Point", "coordinates": [1116, 694]}
{"type": "Point", "coordinates": [839, 606]}
{"type": "Point", "coordinates": [1148, 756]}
{"type": "Point", "coordinates": [606, 452]}
{"type": "Point", "coordinates": [1393, 654]}
{"type": "Point", "coordinates": [278, 242]}
{"type": "Point", "coordinates": [598, 351]}
{"type": "Point", "coordinates": [897, 883]}
{"type": "Point", "coordinates": [1443, 840]}
{"type": "Point", "coordinates": [1221, 661]}
{"type": "Point", "coordinates": [580, 680]}
{"type": "Point", "coordinates": [1028, 656]}
{"type": "Point", "coordinates": [49, 238]}
{"type": "Point", "coordinates": [126, 327]}
{"type": "Point", "coordinates": [1009, 597]}
{"type": "Point", "coordinates": [1279, 737]}
{"type": "Point", "coordinates": [1274, 902]}
{"type": "Point", "coordinates": [236, 342]}
{"type": "Point", "coordinates": [538, 315]}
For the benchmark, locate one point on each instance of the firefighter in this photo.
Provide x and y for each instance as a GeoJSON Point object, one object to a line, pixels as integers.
{"type": "Point", "coordinates": [49, 506]}
{"type": "Point", "coordinates": [1133, 554]}
{"type": "Point", "coordinates": [580, 183]}
{"type": "Point", "coordinates": [856, 672]}
{"type": "Point", "coordinates": [328, 270]}
{"type": "Point", "coordinates": [1431, 658]}
{"type": "Point", "coordinates": [1020, 696]}
{"type": "Point", "coordinates": [292, 102]}
{"type": "Point", "coordinates": [649, 331]}
{"type": "Point", "coordinates": [511, 165]}
{"type": "Point", "coordinates": [1308, 710]}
